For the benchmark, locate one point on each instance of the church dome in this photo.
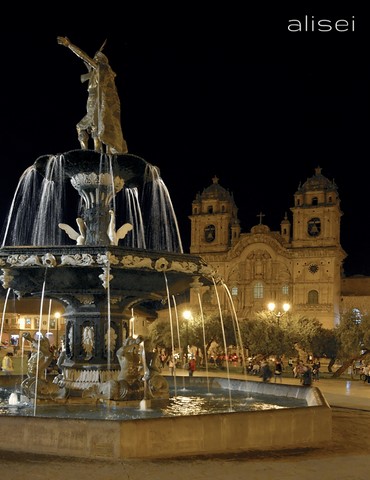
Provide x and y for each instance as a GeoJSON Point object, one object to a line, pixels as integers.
{"type": "Point", "coordinates": [317, 182]}
{"type": "Point", "coordinates": [260, 228]}
{"type": "Point", "coordinates": [215, 191]}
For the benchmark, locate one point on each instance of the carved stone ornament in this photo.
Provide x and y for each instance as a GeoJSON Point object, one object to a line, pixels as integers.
{"type": "Point", "coordinates": [85, 299]}
{"type": "Point", "coordinates": [81, 180]}
{"type": "Point", "coordinates": [105, 277]}
{"type": "Point", "coordinates": [23, 260]}
{"type": "Point", "coordinates": [77, 260]}
{"type": "Point", "coordinates": [186, 267]}
{"type": "Point", "coordinates": [49, 260]}
{"type": "Point", "coordinates": [131, 261]}
{"type": "Point", "coordinates": [6, 278]}
{"type": "Point", "coordinates": [161, 265]}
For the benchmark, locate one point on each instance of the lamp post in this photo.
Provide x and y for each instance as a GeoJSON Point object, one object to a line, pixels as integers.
{"type": "Point", "coordinates": [272, 306]}
{"type": "Point", "coordinates": [187, 317]}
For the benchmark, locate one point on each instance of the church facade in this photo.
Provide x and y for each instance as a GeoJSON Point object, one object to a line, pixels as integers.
{"type": "Point", "coordinates": [302, 264]}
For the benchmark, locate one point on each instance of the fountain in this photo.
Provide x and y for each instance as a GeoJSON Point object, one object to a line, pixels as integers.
{"type": "Point", "coordinates": [100, 278]}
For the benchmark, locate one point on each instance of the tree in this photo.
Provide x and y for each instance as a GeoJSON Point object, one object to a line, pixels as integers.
{"type": "Point", "coordinates": [268, 335]}
{"type": "Point", "coordinates": [352, 333]}
{"type": "Point", "coordinates": [160, 334]}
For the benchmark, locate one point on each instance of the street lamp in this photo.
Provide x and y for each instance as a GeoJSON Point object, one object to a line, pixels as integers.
{"type": "Point", "coordinates": [187, 315]}
{"type": "Point", "coordinates": [286, 307]}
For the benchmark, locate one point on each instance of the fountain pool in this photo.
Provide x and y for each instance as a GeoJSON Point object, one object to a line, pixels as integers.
{"type": "Point", "coordinates": [198, 420]}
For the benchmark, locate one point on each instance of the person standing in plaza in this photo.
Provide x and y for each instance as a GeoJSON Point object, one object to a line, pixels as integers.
{"type": "Point", "coordinates": [192, 366]}
{"type": "Point", "coordinates": [266, 372]}
{"type": "Point", "coordinates": [171, 365]}
{"type": "Point", "coordinates": [306, 379]}
{"type": "Point", "coordinates": [278, 373]}
{"type": "Point", "coordinates": [316, 370]}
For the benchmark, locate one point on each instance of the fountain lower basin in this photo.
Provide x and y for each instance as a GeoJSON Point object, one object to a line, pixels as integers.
{"type": "Point", "coordinates": [179, 436]}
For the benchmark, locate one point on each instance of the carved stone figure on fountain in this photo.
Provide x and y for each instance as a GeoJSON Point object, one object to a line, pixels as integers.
{"type": "Point", "coordinates": [88, 339]}
{"type": "Point", "coordinates": [36, 385]}
{"type": "Point", "coordinates": [116, 235]}
{"type": "Point", "coordinates": [41, 355]}
{"type": "Point", "coordinates": [110, 339]}
{"type": "Point", "coordinates": [154, 384]}
{"type": "Point", "coordinates": [130, 385]}
{"type": "Point", "coordinates": [129, 359]}
{"type": "Point", "coordinates": [79, 236]}
{"type": "Point", "coordinates": [102, 120]}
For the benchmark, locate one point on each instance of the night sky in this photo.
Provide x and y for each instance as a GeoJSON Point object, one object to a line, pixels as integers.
{"type": "Point", "coordinates": [240, 98]}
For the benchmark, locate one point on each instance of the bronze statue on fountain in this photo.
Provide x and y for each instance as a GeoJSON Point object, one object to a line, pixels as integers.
{"type": "Point", "coordinates": [106, 272]}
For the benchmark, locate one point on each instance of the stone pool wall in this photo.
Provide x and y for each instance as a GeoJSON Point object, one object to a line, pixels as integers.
{"type": "Point", "coordinates": [178, 436]}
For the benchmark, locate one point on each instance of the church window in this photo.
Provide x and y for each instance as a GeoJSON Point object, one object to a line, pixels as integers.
{"type": "Point", "coordinates": [315, 201]}
{"type": "Point", "coordinates": [234, 291]}
{"type": "Point", "coordinates": [314, 227]}
{"type": "Point", "coordinates": [210, 233]}
{"type": "Point", "coordinates": [210, 209]}
{"type": "Point", "coordinates": [285, 289]}
{"type": "Point", "coordinates": [258, 290]}
{"type": "Point", "coordinates": [313, 268]}
{"type": "Point", "coordinates": [313, 297]}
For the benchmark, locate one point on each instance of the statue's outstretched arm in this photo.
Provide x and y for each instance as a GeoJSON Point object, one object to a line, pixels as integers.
{"type": "Point", "coordinates": [77, 51]}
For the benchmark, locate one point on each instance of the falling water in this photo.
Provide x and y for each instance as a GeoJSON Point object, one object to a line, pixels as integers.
{"type": "Point", "coordinates": [44, 196]}
{"type": "Point", "coordinates": [21, 214]}
{"type": "Point", "coordinates": [171, 324]}
{"type": "Point", "coordinates": [22, 357]}
{"type": "Point", "coordinates": [162, 231]}
{"type": "Point", "coordinates": [109, 331]}
{"type": "Point", "coordinates": [204, 340]}
{"type": "Point", "coordinates": [236, 325]}
{"type": "Point", "coordinates": [178, 339]}
{"type": "Point", "coordinates": [39, 336]}
{"type": "Point", "coordinates": [177, 323]}
{"type": "Point", "coordinates": [224, 338]}
{"type": "Point", "coordinates": [50, 204]}
{"type": "Point", "coordinates": [49, 316]}
{"type": "Point", "coordinates": [133, 213]}
{"type": "Point", "coordinates": [36, 199]}
{"type": "Point", "coordinates": [3, 316]}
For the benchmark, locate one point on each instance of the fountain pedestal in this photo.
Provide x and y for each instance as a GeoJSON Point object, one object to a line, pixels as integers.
{"type": "Point", "coordinates": [87, 280]}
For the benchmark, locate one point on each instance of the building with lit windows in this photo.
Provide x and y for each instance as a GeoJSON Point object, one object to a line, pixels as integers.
{"type": "Point", "coordinates": [27, 315]}
{"type": "Point", "coordinates": [302, 264]}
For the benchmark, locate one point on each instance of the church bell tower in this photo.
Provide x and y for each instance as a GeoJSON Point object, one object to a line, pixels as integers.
{"type": "Point", "coordinates": [214, 223]}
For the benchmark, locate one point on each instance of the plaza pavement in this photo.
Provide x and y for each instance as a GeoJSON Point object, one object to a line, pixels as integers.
{"type": "Point", "coordinates": [347, 458]}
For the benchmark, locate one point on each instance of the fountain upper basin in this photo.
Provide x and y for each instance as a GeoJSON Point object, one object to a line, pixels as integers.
{"type": "Point", "coordinates": [74, 270]}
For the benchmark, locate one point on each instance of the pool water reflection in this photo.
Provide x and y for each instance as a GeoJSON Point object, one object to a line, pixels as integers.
{"type": "Point", "coordinates": [192, 400]}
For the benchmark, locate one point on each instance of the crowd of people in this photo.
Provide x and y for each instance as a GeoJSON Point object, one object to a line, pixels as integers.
{"type": "Point", "coordinates": [266, 368]}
